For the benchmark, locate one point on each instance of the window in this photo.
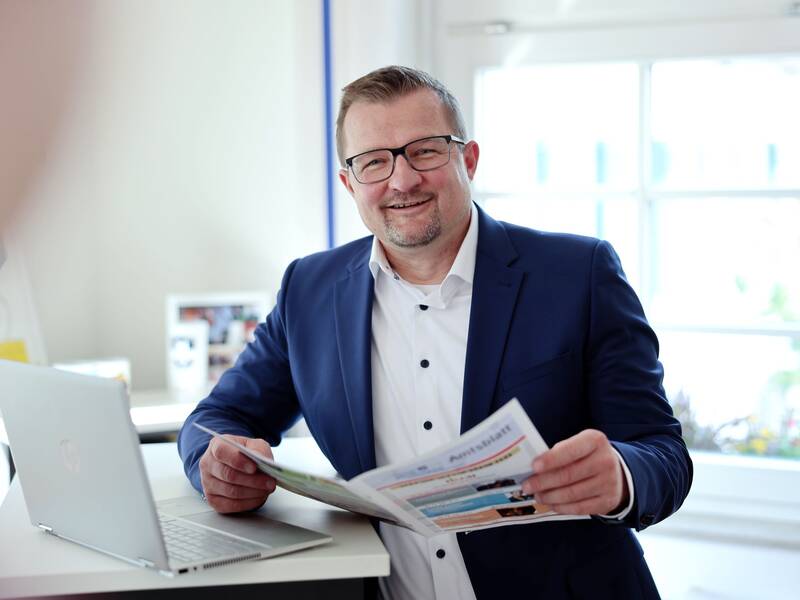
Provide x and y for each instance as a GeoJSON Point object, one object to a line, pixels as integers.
{"type": "Point", "coordinates": [559, 150]}
{"type": "Point", "coordinates": [691, 169]}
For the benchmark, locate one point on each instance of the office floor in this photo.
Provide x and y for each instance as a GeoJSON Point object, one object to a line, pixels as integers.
{"type": "Point", "coordinates": [704, 569]}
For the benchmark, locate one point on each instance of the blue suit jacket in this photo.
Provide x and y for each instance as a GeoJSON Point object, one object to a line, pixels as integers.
{"type": "Point", "coordinates": [553, 323]}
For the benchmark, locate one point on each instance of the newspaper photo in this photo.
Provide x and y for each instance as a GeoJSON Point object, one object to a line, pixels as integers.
{"type": "Point", "coordinates": [472, 483]}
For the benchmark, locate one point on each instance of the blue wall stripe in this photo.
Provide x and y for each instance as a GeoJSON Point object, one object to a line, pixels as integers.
{"type": "Point", "coordinates": [329, 149]}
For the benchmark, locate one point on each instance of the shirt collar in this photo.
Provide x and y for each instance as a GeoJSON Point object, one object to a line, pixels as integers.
{"type": "Point", "coordinates": [463, 266]}
{"type": "Point", "coordinates": [378, 260]}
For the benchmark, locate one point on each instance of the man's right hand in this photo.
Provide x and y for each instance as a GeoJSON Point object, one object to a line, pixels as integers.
{"type": "Point", "coordinates": [231, 481]}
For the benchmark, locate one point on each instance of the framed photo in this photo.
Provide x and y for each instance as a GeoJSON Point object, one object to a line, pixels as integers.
{"type": "Point", "coordinates": [207, 332]}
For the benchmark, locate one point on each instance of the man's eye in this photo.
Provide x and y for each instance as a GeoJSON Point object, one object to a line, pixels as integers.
{"type": "Point", "coordinates": [373, 163]}
{"type": "Point", "coordinates": [426, 151]}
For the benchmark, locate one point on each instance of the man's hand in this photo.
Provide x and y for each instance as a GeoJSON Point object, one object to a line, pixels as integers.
{"type": "Point", "coordinates": [231, 481]}
{"type": "Point", "coordinates": [581, 475]}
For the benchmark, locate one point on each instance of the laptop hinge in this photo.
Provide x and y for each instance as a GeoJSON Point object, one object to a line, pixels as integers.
{"type": "Point", "coordinates": [44, 527]}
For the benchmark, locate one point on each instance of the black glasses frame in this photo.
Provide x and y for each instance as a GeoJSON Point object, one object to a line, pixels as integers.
{"type": "Point", "coordinates": [402, 151]}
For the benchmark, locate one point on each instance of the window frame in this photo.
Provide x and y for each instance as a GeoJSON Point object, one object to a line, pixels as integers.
{"type": "Point", "coordinates": [726, 488]}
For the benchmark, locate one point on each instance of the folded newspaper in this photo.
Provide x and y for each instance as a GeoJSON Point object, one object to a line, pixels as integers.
{"type": "Point", "coordinates": [474, 482]}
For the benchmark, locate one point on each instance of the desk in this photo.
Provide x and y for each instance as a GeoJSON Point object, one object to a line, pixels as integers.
{"type": "Point", "coordinates": [33, 563]}
{"type": "Point", "coordinates": [153, 411]}
{"type": "Point", "coordinates": [158, 412]}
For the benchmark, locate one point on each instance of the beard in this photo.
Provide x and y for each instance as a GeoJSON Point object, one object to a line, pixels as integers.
{"type": "Point", "coordinates": [419, 237]}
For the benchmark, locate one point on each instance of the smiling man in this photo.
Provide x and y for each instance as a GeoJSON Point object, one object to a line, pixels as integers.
{"type": "Point", "coordinates": [419, 209]}
{"type": "Point", "coordinates": [396, 343]}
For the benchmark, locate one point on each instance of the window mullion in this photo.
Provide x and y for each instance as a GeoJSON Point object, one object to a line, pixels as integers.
{"type": "Point", "coordinates": [647, 240]}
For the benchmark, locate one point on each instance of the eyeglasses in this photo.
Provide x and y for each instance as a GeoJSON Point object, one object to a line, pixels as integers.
{"type": "Point", "coordinates": [424, 154]}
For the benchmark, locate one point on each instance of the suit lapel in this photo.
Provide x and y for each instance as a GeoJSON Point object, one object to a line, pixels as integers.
{"type": "Point", "coordinates": [494, 295]}
{"type": "Point", "coordinates": [353, 312]}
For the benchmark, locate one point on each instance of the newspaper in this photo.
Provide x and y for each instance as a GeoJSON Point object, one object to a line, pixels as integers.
{"type": "Point", "coordinates": [473, 483]}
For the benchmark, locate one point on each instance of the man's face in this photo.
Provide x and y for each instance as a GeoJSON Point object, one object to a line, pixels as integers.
{"type": "Point", "coordinates": [410, 209]}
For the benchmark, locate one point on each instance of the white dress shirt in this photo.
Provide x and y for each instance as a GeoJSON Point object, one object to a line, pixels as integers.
{"type": "Point", "coordinates": [419, 347]}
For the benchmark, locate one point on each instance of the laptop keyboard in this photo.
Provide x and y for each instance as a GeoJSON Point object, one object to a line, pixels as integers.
{"type": "Point", "coordinates": [194, 544]}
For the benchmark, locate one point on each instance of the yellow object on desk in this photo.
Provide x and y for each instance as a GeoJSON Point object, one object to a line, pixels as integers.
{"type": "Point", "coordinates": [13, 350]}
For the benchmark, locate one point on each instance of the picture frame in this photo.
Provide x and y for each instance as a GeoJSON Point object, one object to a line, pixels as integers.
{"type": "Point", "coordinates": [207, 332]}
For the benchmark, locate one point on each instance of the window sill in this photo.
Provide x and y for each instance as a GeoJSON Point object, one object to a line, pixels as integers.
{"type": "Point", "coordinates": [740, 498]}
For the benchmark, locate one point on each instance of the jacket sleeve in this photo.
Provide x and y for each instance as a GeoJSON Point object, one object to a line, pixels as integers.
{"type": "Point", "coordinates": [254, 398]}
{"type": "Point", "coordinates": [626, 396]}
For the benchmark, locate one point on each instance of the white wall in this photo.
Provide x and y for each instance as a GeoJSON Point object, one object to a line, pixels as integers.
{"type": "Point", "coordinates": [367, 35]}
{"type": "Point", "coordinates": [192, 161]}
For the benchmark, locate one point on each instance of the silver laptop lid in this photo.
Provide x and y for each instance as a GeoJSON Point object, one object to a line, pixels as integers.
{"type": "Point", "coordinates": [78, 459]}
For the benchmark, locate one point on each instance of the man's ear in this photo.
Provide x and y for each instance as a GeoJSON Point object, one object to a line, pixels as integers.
{"type": "Point", "coordinates": [471, 152]}
{"type": "Point", "coordinates": [345, 179]}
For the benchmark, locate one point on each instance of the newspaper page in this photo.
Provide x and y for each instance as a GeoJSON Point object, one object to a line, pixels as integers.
{"type": "Point", "coordinates": [324, 489]}
{"type": "Point", "coordinates": [473, 483]}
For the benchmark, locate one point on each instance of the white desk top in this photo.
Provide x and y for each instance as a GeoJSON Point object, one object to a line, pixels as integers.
{"type": "Point", "coordinates": [162, 411]}
{"type": "Point", "coordinates": [153, 411]}
{"type": "Point", "coordinates": [33, 563]}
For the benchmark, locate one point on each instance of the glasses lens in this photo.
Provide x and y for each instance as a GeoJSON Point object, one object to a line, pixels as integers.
{"type": "Point", "coordinates": [373, 166]}
{"type": "Point", "coordinates": [425, 155]}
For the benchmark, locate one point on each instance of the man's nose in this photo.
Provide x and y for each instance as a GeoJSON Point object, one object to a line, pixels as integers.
{"type": "Point", "coordinates": [404, 177]}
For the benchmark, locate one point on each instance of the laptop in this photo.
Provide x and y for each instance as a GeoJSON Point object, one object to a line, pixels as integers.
{"type": "Point", "coordinates": [83, 479]}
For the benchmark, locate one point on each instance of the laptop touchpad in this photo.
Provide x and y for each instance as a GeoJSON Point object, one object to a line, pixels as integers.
{"type": "Point", "coordinates": [256, 527]}
{"type": "Point", "coordinates": [249, 525]}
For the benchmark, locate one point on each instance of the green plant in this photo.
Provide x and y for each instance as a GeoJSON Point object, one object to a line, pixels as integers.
{"type": "Point", "coordinates": [743, 435]}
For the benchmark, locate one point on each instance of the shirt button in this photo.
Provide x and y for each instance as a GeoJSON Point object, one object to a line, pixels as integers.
{"type": "Point", "coordinates": [423, 307]}
{"type": "Point", "coordinates": [440, 553]}
{"type": "Point", "coordinates": [427, 425]}
{"type": "Point", "coordinates": [396, 277]}
{"type": "Point", "coordinates": [424, 363]}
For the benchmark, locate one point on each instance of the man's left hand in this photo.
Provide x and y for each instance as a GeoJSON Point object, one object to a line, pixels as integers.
{"type": "Point", "coordinates": [581, 475]}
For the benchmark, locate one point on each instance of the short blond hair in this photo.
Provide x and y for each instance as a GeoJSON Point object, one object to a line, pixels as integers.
{"type": "Point", "coordinates": [388, 83]}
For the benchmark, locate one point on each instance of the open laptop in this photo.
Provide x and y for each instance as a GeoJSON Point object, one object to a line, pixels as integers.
{"type": "Point", "coordinates": [83, 478]}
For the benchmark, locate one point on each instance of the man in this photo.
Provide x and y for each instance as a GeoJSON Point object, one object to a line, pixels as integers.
{"type": "Point", "coordinates": [394, 344]}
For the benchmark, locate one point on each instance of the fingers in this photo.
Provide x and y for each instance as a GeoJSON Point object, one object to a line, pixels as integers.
{"type": "Point", "coordinates": [230, 456]}
{"type": "Point", "coordinates": [570, 450]}
{"type": "Point", "coordinates": [219, 487]}
{"type": "Point", "coordinates": [258, 445]}
{"type": "Point", "coordinates": [225, 497]}
{"type": "Point", "coordinates": [595, 489]}
{"type": "Point", "coordinates": [580, 475]}
{"type": "Point", "coordinates": [214, 487]}
{"type": "Point", "coordinates": [559, 478]}
{"type": "Point", "coordinates": [231, 482]}
{"type": "Point", "coordinates": [590, 506]}
{"type": "Point", "coordinates": [226, 505]}
{"type": "Point", "coordinates": [226, 473]}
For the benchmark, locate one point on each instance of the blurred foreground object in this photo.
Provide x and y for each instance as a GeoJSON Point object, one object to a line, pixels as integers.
{"type": "Point", "coordinates": [41, 49]}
